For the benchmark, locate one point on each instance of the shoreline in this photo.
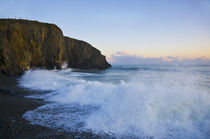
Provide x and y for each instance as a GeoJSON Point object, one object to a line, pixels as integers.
{"type": "Point", "coordinates": [13, 105]}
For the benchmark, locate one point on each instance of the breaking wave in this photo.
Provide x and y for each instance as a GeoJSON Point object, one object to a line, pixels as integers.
{"type": "Point", "coordinates": [149, 104]}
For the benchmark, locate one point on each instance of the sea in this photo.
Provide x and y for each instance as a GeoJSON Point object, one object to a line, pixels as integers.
{"type": "Point", "coordinates": [124, 101]}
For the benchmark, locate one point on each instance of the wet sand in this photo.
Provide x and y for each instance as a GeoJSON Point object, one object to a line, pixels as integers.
{"type": "Point", "coordinates": [13, 105]}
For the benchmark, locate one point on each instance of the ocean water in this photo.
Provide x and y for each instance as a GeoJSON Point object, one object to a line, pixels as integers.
{"type": "Point", "coordinates": [147, 101]}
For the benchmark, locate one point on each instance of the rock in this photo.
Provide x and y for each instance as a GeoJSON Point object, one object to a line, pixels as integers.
{"type": "Point", "coordinates": [80, 54]}
{"type": "Point", "coordinates": [25, 44]}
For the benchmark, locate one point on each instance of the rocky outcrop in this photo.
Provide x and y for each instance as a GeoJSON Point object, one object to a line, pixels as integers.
{"type": "Point", "coordinates": [25, 44]}
{"type": "Point", "coordinates": [80, 54]}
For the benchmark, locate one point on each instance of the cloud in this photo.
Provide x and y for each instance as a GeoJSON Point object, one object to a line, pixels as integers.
{"type": "Point", "coordinates": [124, 58]}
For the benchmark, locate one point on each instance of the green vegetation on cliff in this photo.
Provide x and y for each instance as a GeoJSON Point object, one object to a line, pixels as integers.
{"type": "Point", "coordinates": [26, 44]}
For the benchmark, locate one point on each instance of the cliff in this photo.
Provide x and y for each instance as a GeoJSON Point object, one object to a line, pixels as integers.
{"type": "Point", "coordinates": [80, 54]}
{"type": "Point", "coordinates": [25, 44]}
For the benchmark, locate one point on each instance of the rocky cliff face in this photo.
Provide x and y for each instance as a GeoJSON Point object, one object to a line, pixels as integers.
{"type": "Point", "coordinates": [80, 54]}
{"type": "Point", "coordinates": [25, 44]}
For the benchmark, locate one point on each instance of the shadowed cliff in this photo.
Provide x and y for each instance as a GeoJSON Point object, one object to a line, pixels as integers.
{"type": "Point", "coordinates": [25, 44]}
{"type": "Point", "coordinates": [79, 54]}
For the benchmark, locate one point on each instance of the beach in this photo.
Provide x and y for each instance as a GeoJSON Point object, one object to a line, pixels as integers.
{"type": "Point", "coordinates": [13, 105]}
{"type": "Point", "coordinates": [145, 101]}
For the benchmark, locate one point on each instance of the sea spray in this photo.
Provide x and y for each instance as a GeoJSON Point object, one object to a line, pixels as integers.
{"type": "Point", "coordinates": [153, 103]}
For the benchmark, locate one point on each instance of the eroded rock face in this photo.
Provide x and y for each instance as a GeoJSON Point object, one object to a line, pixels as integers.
{"type": "Point", "coordinates": [80, 54]}
{"type": "Point", "coordinates": [25, 44]}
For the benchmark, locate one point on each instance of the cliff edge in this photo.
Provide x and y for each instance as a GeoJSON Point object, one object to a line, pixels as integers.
{"type": "Point", "coordinates": [26, 44]}
{"type": "Point", "coordinates": [80, 54]}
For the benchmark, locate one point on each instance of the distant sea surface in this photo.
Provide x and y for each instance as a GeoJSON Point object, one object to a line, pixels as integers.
{"type": "Point", "coordinates": [145, 101]}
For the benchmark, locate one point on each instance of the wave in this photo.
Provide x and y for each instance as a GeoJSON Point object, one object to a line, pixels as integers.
{"type": "Point", "coordinates": [167, 105]}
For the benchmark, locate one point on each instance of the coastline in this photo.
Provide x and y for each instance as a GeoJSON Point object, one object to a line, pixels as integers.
{"type": "Point", "coordinates": [13, 105]}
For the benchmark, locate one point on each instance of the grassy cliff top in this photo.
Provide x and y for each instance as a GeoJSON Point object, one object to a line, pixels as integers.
{"type": "Point", "coordinates": [5, 21]}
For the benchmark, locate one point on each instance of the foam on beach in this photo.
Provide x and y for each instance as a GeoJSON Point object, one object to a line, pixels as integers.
{"type": "Point", "coordinates": [149, 104]}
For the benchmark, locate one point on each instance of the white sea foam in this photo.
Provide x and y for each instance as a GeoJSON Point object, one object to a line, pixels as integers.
{"type": "Point", "coordinates": [159, 105]}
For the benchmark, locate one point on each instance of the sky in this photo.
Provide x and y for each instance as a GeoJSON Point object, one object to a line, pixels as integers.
{"type": "Point", "coordinates": [166, 29]}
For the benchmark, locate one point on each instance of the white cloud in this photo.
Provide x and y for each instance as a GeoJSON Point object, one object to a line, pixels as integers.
{"type": "Point", "coordinates": [124, 58]}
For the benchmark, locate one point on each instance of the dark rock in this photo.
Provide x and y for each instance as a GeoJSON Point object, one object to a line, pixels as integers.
{"type": "Point", "coordinates": [26, 44]}
{"type": "Point", "coordinates": [80, 54]}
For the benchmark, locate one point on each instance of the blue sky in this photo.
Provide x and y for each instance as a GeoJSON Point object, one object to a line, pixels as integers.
{"type": "Point", "coordinates": [148, 28]}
